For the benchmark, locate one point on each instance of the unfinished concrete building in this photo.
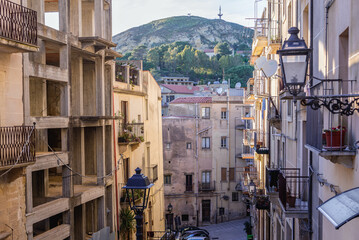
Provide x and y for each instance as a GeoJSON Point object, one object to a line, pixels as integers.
{"type": "Point", "coordinates": [68, 94]}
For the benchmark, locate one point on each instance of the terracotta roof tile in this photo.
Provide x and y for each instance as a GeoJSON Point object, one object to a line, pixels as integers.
{"type": "Point", "coordinates": [192, 100]}
{"type": "Point", "coordinates": [184, 88]}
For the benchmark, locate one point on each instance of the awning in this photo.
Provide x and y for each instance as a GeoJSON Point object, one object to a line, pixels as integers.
{"type": "Point", "coordinates": [342, 208]}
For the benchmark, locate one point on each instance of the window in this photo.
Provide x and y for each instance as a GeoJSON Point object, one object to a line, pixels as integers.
{"type": "Point", "coordinates": [234, 196]}
{"type": "Point", "coordinates": [221, 211]}
{"type": "Point", "coordinates": [224, 113]}
{"type": "Point", "coordinates": [206, 180]}
{"type": "Point", "coordinates": [155, 173]}
{"type": "Point", "coordinates": [206, 112]}
{"type": "Point", "coordinates": [189, 145]}
{"type": "Point", "coordinates": [224, 142]}
{"type": "Point", "coordinates": [168, 179]}
{"type": "Point", "coordinates": [289, 109]}
{"type": "Point", "coordinates": [185, 217]}
{"type": "Point", "coordinates": [231, 174]}
{"type": "Point", "coordinates": [206, 143]}
{"type": "Point", "coordinates": [224, 174]}
{"type": "Point", "coordinates": [189, 183]}
{"type": "Point", "coordinates": [170, 98]}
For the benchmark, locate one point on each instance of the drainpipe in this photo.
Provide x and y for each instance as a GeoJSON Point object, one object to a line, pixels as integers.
{"type": "Point", "coordinates": [310, 197]}
{"type": "Point", "coordinates": [115, 161]}
{"type": "Point", "coordinates": [229, 144]}
{"type": "Point", "coordinates": [197, 147]}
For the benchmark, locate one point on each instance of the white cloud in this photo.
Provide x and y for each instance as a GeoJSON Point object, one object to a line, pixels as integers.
{"type": "Point", "coordinates": [133, 13]}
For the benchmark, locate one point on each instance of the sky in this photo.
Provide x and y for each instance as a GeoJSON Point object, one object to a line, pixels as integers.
{"type": "Point", "coordinates": [132, 13]}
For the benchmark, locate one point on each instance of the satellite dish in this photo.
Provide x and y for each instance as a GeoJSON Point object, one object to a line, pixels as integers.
{"type": "Point", "coordinates": [270, 68]}
{"type": "Point", "coordinates": [259, 63]}
{"type": "Point", "coordinates": [219, 90]}
{"type": "Point", "coordinates": [238, 85]}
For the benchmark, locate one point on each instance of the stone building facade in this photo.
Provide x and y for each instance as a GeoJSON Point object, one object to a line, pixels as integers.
{"type": "Point", "coordinates": [203, 164]}
{"type": "Point", "coordinates": [138, 133]}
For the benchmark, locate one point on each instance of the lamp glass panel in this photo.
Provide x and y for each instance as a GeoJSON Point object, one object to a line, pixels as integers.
{"type": "Point", "coordinates": [295, 68]}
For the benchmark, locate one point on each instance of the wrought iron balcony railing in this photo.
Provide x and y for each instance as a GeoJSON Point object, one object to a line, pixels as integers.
{"type": "Point", "coordinates": [293, 189]}
{"type": "Point", "coordinates": [207, 186]}
{"type": "Point", "coordinates": [17, 146]}
{"type": "Point", "coordinates": [272, 176]}
{"type": "Point", "coordinates": [18, 23]}
{"type": "Point", "coordinates": [260, 86]}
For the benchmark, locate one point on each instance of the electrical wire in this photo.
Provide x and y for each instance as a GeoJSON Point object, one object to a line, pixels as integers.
{"type": "Point", "coordinates": [22, 151]}
{"type": "Point", "coordinates": [79, 174]}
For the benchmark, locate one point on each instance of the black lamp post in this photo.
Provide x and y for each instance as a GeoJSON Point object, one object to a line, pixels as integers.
{"type": "Point", "coordinates": [169, 208]}
{"type": "Point", "coordinates": [294, 57]}
{"type": "Point", "coordinates": [138, 186]}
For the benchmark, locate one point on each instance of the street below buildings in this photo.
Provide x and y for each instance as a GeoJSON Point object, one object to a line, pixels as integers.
{"type": "Point", "coordinates": [232, 230]}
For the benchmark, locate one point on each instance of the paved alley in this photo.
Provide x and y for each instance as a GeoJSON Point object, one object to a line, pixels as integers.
{"type": "Point", "coordinates": [232, 230]}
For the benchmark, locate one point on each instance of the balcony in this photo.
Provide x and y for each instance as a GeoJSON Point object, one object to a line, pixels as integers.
{"type": "Point", "coordinates": [207, 186]}
{"type": "Point", "coordinates": [18, 28]}
{"type": "Point", "coordinates": [272, 176]}
{"type": "Point", "coordinates": [248, 137]}
{"type": "Point", "coordinates": [293, 192]}
{"type": "Point", "coordinates": [260, 86]}
{"type": "Point", "coordinates": [17, 146]}
{"type": "Point", "coordinates": [340, 150]}
{"type": "Point", "coordinates": [131, 133]}
{"type": "Point", "coordinates": [248, 153]}
{"type": "Point", "coordinates": [260, 40]}
{"type": "Point", "coordinates": [250, 89]}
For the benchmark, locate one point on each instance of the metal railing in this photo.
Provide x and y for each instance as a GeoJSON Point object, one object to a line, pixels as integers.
{"type": "Point", "coordinates": [120, 73]}
{"type": "Point", "coordinates": [189, 188]}
{"type": "Point", "coordinates": [248, 137]}
{"type": "Point", "coordinates": [17, 145]}
{"type": "Point", "coordinates": [260, 28]}
{"type": "Point", "coordinates": [134, 77]}
{"type": "Point", "coordinates": [293, 189]}
{"type": "Point", "coordinates": [272, 176]}
{"type": "Point", "coordinates": [260, 87]}
{"type": "Point", "coordinates": [18, 22]}
{"type": "Point", "coordinates": [207, 186]}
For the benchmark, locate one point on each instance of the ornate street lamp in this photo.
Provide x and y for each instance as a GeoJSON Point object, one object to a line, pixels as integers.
{"type": "Point", "coordinates": [294, 57]}
{"type": "Point", "coordinates": [169, 208]}
{"type": "Point", "coordinates": [138, 192]}
{"type": "Point", "coordinates": [252, 187]}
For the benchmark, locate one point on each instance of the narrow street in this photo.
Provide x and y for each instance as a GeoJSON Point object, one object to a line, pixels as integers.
{"type": "Point", "coordinates": [232, 230]}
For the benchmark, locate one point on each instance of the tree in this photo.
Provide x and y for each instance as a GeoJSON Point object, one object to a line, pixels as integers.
{"type": "Point", "coordinates": [127, 223]}
{"type": "Point", "coordinates": [139, 53]}
{"type": "Point", "coordinates": [222, 49]}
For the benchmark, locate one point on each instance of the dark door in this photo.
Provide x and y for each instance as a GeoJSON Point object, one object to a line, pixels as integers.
{"type": "Point", "coordinates": [206, 210]}
{"type": "Point", "coordinates": [169, 220]}
{"type": "Point", "coordinates": [189, 183]}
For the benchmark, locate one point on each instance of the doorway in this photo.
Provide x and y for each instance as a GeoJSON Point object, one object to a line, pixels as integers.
{"type": "Point", "coordinates": [206, 210]}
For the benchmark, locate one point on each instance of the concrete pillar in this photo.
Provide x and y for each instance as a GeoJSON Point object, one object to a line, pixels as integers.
{"type": "Point", "coordinates": [75, 21]}
{"type": "Point", "coordinates": [76, 105]}
{"type": "Point", "coordinates": [39, 7]}
{"type": "Point", "coordinates": [29, 202]}
{"type": "Point", "coordinates": [100, 89]}
{"type": "Point", "coordinates": [101, 211]}
{"type": "Point", "coordinates": [99, 18]}
{"type": "Point", "coordinates": [63, 15]}
{"type": "Point", "coordinates": [100, 153]}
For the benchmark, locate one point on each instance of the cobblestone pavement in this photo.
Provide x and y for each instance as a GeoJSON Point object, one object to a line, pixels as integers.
{"type": "Point", "coordinates": [232, 230]}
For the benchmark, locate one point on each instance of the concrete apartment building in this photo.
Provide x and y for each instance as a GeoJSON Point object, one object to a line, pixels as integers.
{"type": "Point", "coordinates": [303, 171]}
{"type": "Point", "coordinates": [203, 159]}
{"type": "Point", "coordinates": [17, 140]}
{"type": "Point", "coordinates": [137, 101]}
{"type": "Point", "coordinates": [68, 94]}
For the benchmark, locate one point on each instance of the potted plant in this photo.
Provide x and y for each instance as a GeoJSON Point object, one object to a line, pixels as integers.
{"type": "Point", "coordinates": [335, 136]}
{"type": "Point", "coordinates": [127, 223]}
{"type": "Point", "coordinates": [248, 229]}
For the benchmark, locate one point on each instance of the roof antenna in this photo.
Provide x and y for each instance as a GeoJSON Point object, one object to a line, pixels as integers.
{"type": "Point", "coordinates": [220, 13]}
